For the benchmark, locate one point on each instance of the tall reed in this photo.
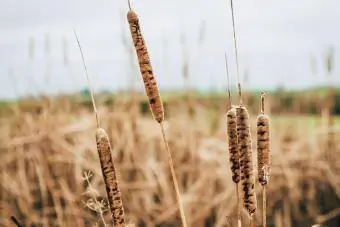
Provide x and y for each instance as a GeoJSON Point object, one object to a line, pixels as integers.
{"type": "Point", "coordinates": [234, 156]}
{"type": "Point", "coordinates": [106, 160]}
{"type": "Point", "coordinates": [151, 88]}
{"type": "Point", "coordinates": [244, 142]}
{"type": "Point", "coordinates": [263, 155]}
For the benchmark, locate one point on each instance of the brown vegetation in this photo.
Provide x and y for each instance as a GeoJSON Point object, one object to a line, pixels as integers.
{"type": "Point", "coordinates": [44, 155]}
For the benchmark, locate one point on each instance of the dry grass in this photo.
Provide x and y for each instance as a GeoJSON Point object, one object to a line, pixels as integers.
{"type": "Point", "coordinates": [45, 149]}
{"type": "Point", "coordinates": [45, 154]}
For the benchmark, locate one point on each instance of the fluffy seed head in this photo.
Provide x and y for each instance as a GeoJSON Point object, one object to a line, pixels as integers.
{"type": "Point", "coordinates": [246, 163]}
{"type": "Point", "coordinates": [110, 179]}
{"type": "Point", "coordinates": [145, 67]}
{"type": "Point", "coordinates": [233, 149]}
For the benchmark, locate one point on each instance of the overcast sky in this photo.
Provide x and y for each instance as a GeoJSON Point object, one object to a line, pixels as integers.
{"type": "Point", "coordinates": [276, 40]}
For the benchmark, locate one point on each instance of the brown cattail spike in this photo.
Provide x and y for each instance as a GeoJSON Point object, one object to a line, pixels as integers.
{"type": "Point", "coordinates": [110, 179]}
{"type": "Point", "coordinates": [246, 163]}
{"type": "Point", "coordinates": [263, 149]}
{"type": "Point", "coordinates": [149, 79]}
{"type": "Point", "coordinates": [233, 149]}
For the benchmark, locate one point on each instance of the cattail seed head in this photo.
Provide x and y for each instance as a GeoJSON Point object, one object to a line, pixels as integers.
{"type": "Point", "coordinates": [233, 149]}
{"type": "Point", "coordinates": [110, 179]}
{"type": "Point", "coordinates": [263, 148]}
{"type": "Point", "coordinates": [246, 163]}
{"type": "Point", "coordinates": [145, 67]}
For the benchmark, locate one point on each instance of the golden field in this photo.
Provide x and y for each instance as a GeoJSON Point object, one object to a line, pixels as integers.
{"type": "Point", "coordinates": [50, 172]}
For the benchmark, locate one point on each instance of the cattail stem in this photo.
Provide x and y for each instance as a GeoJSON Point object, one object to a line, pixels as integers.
{"type": "Point", "coordinates": [262, 102]}
{"type": "Point", "coordinates": [236, 53]}
{"type": "Point", "coordinates": [238, 205]}
{"type": "Point", "coordinates": [88, 80]}
{"type": "Point", "coordinates": [174, 178]}
{"type": "Point", "coordinates": [251, 221]}
{"type": "Point", "coordinates": [264, 205]}
{"type": "Point", "coordinates": [228, 78]}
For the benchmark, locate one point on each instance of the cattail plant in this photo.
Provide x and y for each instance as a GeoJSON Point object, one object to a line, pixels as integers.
{"type": "Point", "coordinates": [152, 92]}
{"type": "Point", "coordinates": [246, 162]}
{"type": "Point", "coordinates": [106, 161]}
{"type": "Point", "coordinates": [244, 143]}
{"type": "Point", "coordinates": [146, 70]}
{"type": "Point", "coordinates": [263, 155]}
{"type": "Point", "coordinates": [234, 156]}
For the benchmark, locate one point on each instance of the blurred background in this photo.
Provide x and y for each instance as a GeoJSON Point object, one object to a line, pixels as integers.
{"type": "Point", "coordinates": [50, 173]}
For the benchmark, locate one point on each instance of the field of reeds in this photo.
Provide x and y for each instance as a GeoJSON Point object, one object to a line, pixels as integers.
{"type": "Point", "coordinates": [243, 158]}
{"type": "Point", "coordinates": [51, 176]}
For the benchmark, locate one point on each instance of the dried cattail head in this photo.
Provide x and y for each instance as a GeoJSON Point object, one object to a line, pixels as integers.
{"type": "Point", "coordinates": [233, 149]}
{"type": "Point", "coordinates": [263, 148]}
{"type": "Point", "coordinates": [246, 163]}
{"type": "Point", "coordinates": [149, 79]}
{"type": "Point", "coordinates": [132, 17]}
{"type": "Point", "coordinates": [106, 161]}
{"type": "Point", "coordinates": [110, 179]}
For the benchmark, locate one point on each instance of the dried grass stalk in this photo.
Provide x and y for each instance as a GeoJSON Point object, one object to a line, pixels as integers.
{"type": "Point", "coordinates": [149, 80]}
{"type": "Point", "coordinates": [246, 163]}
{"type": "Point", "coordinates": [110, 179]}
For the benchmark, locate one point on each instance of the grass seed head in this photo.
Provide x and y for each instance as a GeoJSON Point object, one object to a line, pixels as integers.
{"type": "Point", "coordinates": [110, 179]}
{"type": "Point", "coordinates": [145, 67]}
{"type": "Point", "coordinates": [246, 163]}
